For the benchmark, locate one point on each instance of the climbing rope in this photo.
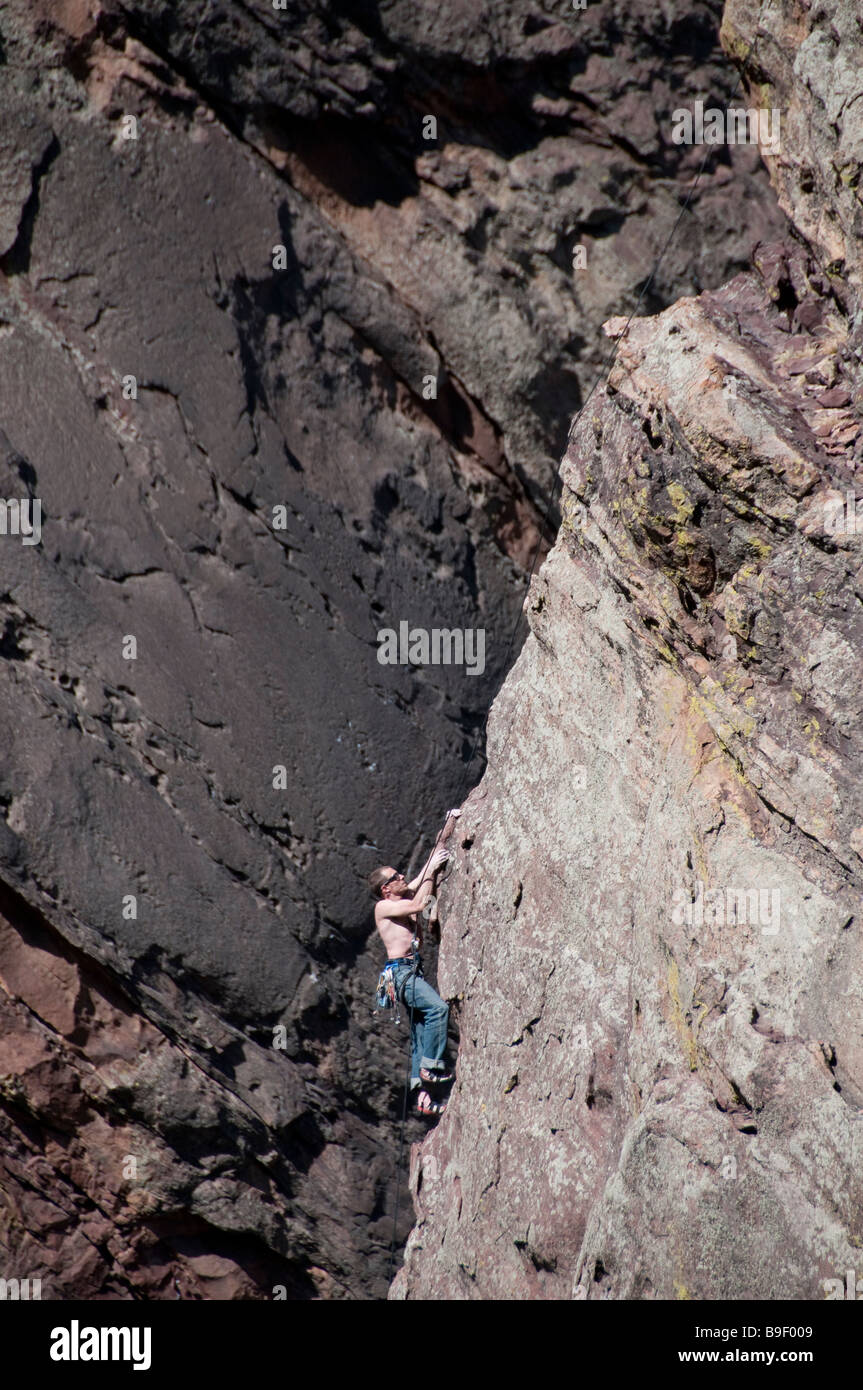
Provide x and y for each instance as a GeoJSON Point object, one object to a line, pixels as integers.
{"type": "Point", "coordinates": [602, 377]}
{"type": "Point", "coordinates": [402, 1136]}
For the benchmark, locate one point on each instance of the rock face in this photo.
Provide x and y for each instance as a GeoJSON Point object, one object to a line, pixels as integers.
{"type": "Point", "coordinates": [230, 266]}
{"type": "Point", "coordinates": [808, 57]}
{"type": "Point", "coordinates": [654, 933]}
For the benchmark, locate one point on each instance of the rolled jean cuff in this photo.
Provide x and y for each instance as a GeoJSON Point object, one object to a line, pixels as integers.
{"type": "Point", "coordinates": [431, 1064]}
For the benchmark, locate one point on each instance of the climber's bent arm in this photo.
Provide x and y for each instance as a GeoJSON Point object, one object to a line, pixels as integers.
{"type": "Point", "coordinates": [404, 907]}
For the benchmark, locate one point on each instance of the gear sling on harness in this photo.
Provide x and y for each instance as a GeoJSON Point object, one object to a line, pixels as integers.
{"type": "Point", "coordinates": [387, 996]}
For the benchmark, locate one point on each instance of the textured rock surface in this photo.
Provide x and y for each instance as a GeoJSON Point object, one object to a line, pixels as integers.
{"type": "Point", "coordinates": [149, 1037]}
{"type": "Point", "coordinates": [805, 58]}
{"type": "Point", "coordinates": [660, 1086]}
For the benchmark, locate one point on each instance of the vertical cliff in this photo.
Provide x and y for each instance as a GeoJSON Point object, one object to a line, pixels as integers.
{"type": "Point", "coordinates": [167, 385]}
{"type": "Point", "coordinates": [653, 935]}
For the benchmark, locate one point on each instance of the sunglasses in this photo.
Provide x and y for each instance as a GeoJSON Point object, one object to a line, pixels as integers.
{"type": "Point", "coordinates": [392, 878]}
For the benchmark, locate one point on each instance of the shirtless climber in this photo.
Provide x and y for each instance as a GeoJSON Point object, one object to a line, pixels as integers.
{"type": "Point", "coordinates": [397, 918]}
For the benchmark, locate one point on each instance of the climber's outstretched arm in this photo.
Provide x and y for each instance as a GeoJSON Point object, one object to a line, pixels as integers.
{"type": "Point", "coordinates": [452, 817]}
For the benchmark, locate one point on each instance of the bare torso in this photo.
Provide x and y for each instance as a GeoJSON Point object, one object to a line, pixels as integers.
{"type": "Point", "coordinates": [398, 933]}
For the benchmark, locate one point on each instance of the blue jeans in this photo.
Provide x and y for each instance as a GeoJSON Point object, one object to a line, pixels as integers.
{"type": "Point", "coordinates": [428, 1015]}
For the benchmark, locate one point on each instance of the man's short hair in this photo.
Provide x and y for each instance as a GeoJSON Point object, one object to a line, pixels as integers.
{"type": "Point", "coordinates": [376, 881]}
